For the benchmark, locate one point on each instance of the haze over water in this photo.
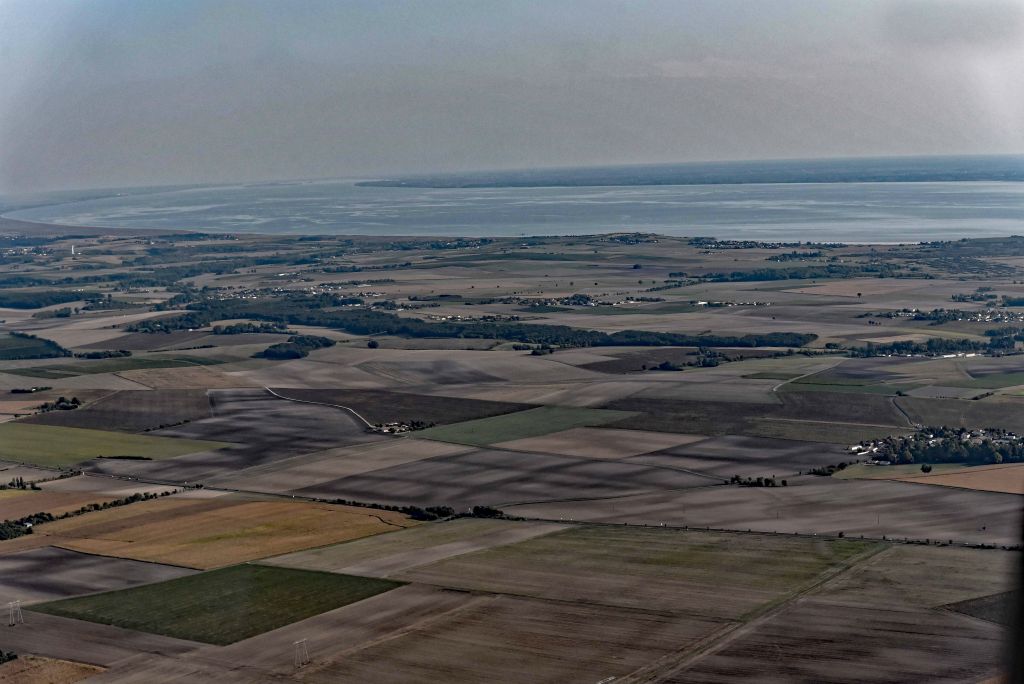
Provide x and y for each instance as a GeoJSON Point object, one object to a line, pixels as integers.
{"type": "Point", "coordinates": [790, 211]}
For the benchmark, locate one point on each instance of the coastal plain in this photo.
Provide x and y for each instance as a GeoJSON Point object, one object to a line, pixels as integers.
{"type": "Point", "coordinates": [623, 457]}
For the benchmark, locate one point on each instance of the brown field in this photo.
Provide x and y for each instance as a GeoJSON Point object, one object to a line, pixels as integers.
{"type": "Point", "coordinates": [148, 341]}
{"type": "Point", "coordinates": [924, 577]}
{"type": "Point", "coordinates": [498, 478]}
{"type": "Point", "coordinates": [133, 411]}
{"type": "Point", "coordinates": [198, 377]}
{"type": "Point", "coordinates": [211, 533]}
{"type": "Point", "coordinates": [10, 471]}
{"type": "Point", "coordinates": [1006, 477]}
{"type": "Point", "coordinates": [817, 641]}
{"type": "Point", "coordinates": [605, 443]}
{"type": "Point", "coordinates": [34, 670]}
{"type": "Point", "coordinates": [388, 554]}
{"type": "Point", "coordinates": [721, 576]}
{"type": "Point", "coordinates": [379, 406]}
{"type": "Point", "coordinates": [89, 642]}
{"type": "Point", "coordinates": [270, 430]}
{"type": "Point", "coordinates": [1003, 412]}
{"type": "Point", "coordinates": [17, 503]}
{"type": "Point", "coordinates": [309, 470]}
{"type": "Point", "coordinates": [809, 416]}
{"type": "Point", "coordinates": [849, 287]}
{"type": "Point", "coordinates": [810, 505]}
{"type": "Point", "coordinates": [730, 455]}
{"type": "Point", "coordinates": [520, 640]}
{"type": "Point", "coordinates": [648, 359]}
{"type": "Point", "coordinates": [48, 573]}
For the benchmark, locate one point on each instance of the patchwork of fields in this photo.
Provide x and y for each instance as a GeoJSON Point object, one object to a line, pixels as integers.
{"type": "Point", "coordinates": [564, 509]}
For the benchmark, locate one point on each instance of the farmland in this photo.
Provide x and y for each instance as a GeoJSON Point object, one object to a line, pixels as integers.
{"type": "Point", "coordinates": [612, 475]}
{"type": "Point", "coordinates": [214, 532]}
{"type": "Point", "coordinates": [521, 425]}
{"type": "Point", "coordinates": [133, 411]}
{"type": "Point", "coordinates": [52, 446]}
{"type": "Point", "coordinates": [378, 406]}
{"type": "Point", "coordinates": [221, 606]}
{"type": "Point", "coordinates": [12, 347]}
{"type": "Point", "coordinates": [49, 573]}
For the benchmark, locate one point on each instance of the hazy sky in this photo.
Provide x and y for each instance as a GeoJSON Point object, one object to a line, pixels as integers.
{"type": "Point", "coordinates": [99, 93]}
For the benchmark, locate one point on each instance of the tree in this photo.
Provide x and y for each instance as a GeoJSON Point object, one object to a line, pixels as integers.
{"type": "Point", "coordinates": [372, 344]}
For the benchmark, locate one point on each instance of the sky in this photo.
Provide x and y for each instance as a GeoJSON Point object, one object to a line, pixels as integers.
{"type": "Point", "coordinates": [110, 93]}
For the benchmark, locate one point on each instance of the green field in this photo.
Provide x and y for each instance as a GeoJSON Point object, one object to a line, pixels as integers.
{"type": "Point", "coordinates": [532, 423]}
{"type": "Point", "coordinates": [12, 347]}
{"type": "Point", "coordinates": [47, 445]}
{"type": "Point", "coordinates": [222, 606]}
{"type": "Point", "coordinates": [67, 370]}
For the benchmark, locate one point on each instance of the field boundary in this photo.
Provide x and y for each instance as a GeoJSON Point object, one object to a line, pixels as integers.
{"type": "Point", "coordinates": [322, 403]}
{"type": "Point", "coordinates": [716, 641]}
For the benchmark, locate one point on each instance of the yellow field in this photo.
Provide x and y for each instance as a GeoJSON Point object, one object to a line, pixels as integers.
{"type": "Point", "coordinates": [17, 503]}
{"type": "Point", "coordinates": [211, 533]}
{"type": "Point", "coordinates": [29, 669]}
{"type": "Point", "coordinates": [1007, 478]}
{"type": "Point", "coordinates": [198, 377]}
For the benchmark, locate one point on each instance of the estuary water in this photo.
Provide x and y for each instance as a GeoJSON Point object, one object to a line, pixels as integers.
{"type": "Point", "coordinates": [834, 212]}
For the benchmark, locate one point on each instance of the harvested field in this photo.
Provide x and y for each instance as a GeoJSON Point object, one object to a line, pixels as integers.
{"type": "Point", "coordinates": [268, 429]}
{"type": "Point", "coordinates": [997, 608]}
{"type": "Point", "coordinates": [18, 503]}
{"type": "Point", "coordinates": [381, 406]}
{"type": "Point", "coordinates": [714, 575]}
{"type": "Point", "coordinates": [49, 573]}
{"type": "Point", "coordinates": [10, 471]}
{"type": "Point", "coordinates": [103, 645]}
{"type": "Point", "coordinates": [435, 372]}
{"type": "Point", "coordinates": [308, 470]}
{"type": "Point", "coordinates": [388, 554]}
{"type": "Point", "coordinates": [48, 445]}
{"type": "Point", "coordinates": [149, 341]}
{"type": "Point", "coordinates": [522, 424]}
{"type": "Point", "coordinates": [711, 388]}
{"type": "Point", "coordinates": [604, 443]}
{"type": "Point", "coordinates": [913, 576]}
{"type": "Point", "coordinates": [520, 640]}
{"type": "Point", "coordinates": [808, 416]}
{"type": "Point", "coordinates": [212, 533]}
{"type": "Point", "coordinates": [189, 376]}
{"type": "Point", "coordinates": [849, 287]}
{"type": "Point", "coordinates": [649, 359]}
{"type": "Point", "coordinates": [497, 478]}
{"type": "Point", "coordinates": [1005, 477]}
{"type": "Point", "coordinates": [133, 411]}
{"type": "Point", "coordinates": [331, 636]}
{"type": "Point", "coordinates": [814, 641]}
{"type": "Point", "coordinates": [29, 669]}
{"type": "Point", "coordinates": [134, 364]}
{"type": "Point", "coordinates": [221, 606]}
{"type": "Point", "coordinates": [723, 457]}
{"type": "Point", "coordinates": [1002, 412]}
{"type": "Point", "coordinates": [811, 505]}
